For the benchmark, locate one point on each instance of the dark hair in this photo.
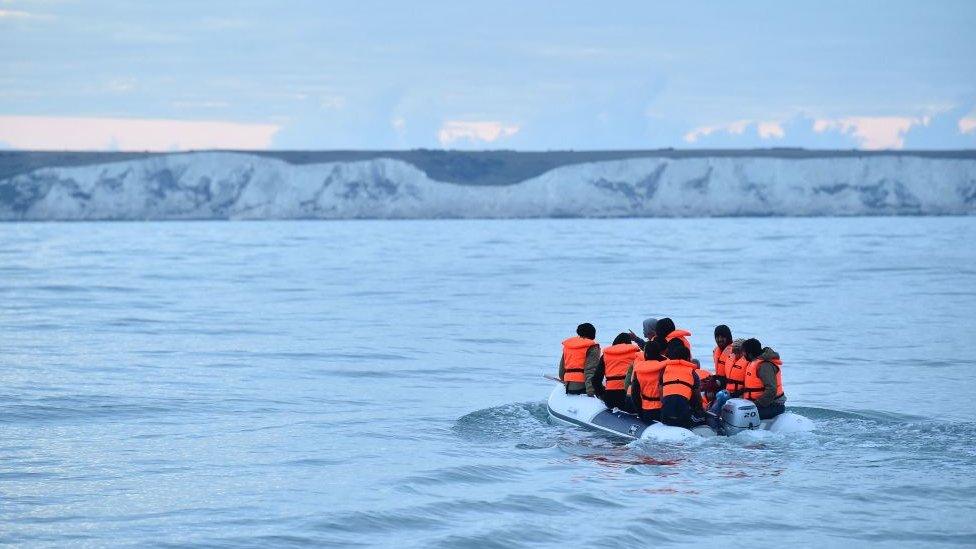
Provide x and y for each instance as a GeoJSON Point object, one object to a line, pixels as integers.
{"type": "Point", "coordinates": [652, 350]}
{"type": "Point", "coordinates": [622, 337]}
{"type": "Point", "coordinates": [586, 330]}
{"type": "Point", "coordinates": [752, 348]}
{"type": "Point", "coordinates": [664, 327]}
{"type": "Point", "coordinates": [722, 329]}
{"type": "Point", "coordinates": [677, 351]}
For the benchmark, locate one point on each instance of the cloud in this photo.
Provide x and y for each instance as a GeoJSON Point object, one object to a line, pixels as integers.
{"type": "Point", "coordinates": [769, 129]}
{"type": "Point", "coordinates": [14, 14]}
{"type": "Point", "coordinates": [132, 134]}
{"type": "Point", "coordinates": [454, 131]}
{"type": "Point", "coordinates": [952, 128]}
{"type": "Point", "coordinates": [873, 132]}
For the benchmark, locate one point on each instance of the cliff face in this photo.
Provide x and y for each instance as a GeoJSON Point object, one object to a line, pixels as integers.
{"type": "Point", "coordinates": [243, 186]}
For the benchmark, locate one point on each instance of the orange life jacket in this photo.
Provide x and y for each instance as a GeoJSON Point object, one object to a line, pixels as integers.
{"type": "Point", "coordinates": [754, 387]}
{"type": "Point", "coordinates": [678, 378]}
{"type": "Point", "coordinates": [735, 374]}
{"type": "Point", "coordinates": [648, 376]}
{"type": "Point", "coordinates": [681, 335]}
{"type": "Point", "coordinates": [616, 361]}
{"type": "Point", "coordinates": [722, 358]}
{"type": "Point", "coordinates": [574, 358]}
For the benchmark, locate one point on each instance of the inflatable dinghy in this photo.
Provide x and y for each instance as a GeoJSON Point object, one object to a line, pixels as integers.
{"type": "Point", "coordinates": [737, 415]}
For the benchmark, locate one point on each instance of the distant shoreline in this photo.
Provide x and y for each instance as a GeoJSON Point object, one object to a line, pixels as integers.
{"type": "Point", "coordinates": [490, 167]}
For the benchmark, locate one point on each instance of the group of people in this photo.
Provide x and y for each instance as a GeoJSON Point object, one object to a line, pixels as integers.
{"type": "Point", "coordinates": [656, 377]}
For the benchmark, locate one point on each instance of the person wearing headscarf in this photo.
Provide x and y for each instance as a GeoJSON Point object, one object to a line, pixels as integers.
{"type": "Point", "coordinates": [649, 333]}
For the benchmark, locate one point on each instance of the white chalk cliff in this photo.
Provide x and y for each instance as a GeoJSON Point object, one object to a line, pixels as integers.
{"type": "Point", "coordinates": [241, 186]}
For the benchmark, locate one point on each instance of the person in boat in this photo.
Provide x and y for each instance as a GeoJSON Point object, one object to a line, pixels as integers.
{"type": "Point", "coordinates": [735, 368]}
{"type": "Point", "coordinates": [722, 352]}
{"type": "Point", "coordinates": [665, 332]}
{"type": "Point", "coordinates": [735, 375]}
{"type": "Point", "coordinates": [649, 333]}
{"type": "Point", "coordinates": [709, 387]}
{"type": "Point", "coordinates": [680, 387]}
{"type": "Point", "coordinates": [645, 383]}
{"type": "Point", "coordinates": [580, 362]}
{"type": "Point", "coordinates": [763, 379]}
{"type": "Point", "coordinates": [618, 361]}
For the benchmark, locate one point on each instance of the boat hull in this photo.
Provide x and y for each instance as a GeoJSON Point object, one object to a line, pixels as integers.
{"type": "Point", "coordinates": [590, 413]}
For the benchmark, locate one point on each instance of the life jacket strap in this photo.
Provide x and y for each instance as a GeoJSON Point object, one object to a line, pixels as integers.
{"type": "Point", "coordinates": [679, 382]}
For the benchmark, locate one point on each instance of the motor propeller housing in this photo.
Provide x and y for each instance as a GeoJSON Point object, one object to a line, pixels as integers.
{"type": "Point", "coordinates": [739, 414]}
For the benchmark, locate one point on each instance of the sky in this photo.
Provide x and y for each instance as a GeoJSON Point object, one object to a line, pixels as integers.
{"type": "Point", "coordinates": [178, 75]}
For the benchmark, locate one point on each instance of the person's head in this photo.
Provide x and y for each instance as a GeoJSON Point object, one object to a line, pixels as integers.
{"type": "Point", "coordinates": [709, 386]}
{"type": "Point", "coordinates": [751, 348]}
{"type": "Point", "coordinates": [649, 324]}
{"type": "Point", "coordinates": [586, 330]}
{"type": "Point", "coordinates": [723, 336]}
{"type": "Point", "coordinates": [622, 337]}
{"type": "Point", "coordinates": [737, 346]}
{"type": "Point", "coordinates": [652, 350]}
{"type": "Point", "coordinates": [677, 351]}
{"type": "Point", "coordinates": [664, 327]}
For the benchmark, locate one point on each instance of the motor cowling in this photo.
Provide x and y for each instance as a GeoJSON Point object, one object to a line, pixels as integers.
{"type": "Point", "coordinates": [739, 414]}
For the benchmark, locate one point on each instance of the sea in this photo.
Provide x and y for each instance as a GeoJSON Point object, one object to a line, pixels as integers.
{"type": "Point", "coordinates": [380, 383]}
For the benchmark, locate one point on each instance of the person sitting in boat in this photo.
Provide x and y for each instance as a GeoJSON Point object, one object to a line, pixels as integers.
{"type": "Point", "coordinates": [618, 359]}
{"type": "Point", "coordinates": [645, 383]}
{"type": "Point", "coordinates": [722, 352]}
{"type": "Point", "coordinates": [735, 368]}
{"type": "Point", "coordinates": [649, 333]}
{"type": "Point", "coordinates": [666, 333]}
{"type": "Point", "coordinates": [580, 362]}
{"type": "Point", "coordinates": [763, 379]}
{"type": "Point", "coordinates": [709, 387]}
{"type": "Point", "coordinates": [680, 387]}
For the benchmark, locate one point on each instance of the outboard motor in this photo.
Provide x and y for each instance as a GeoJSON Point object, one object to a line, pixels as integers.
{"type": "Point", "coordinates": [739, 414]}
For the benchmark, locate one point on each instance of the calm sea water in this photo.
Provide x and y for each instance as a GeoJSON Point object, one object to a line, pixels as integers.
{"type": "Point", "coordinates": [378, 383]}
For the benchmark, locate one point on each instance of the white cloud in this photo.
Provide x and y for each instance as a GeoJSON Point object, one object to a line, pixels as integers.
{"type": "Point", "coordinates": [771, 130]}
{"type": "Point", "coordinates": [14, 14]}
{"type": "Point", "coordinates": [701, 131]}
{"type": "Point", "coordinates": [766, 129]}
{"type": "Point", "coordinates": [482, 131]}
{"type": "Point", "coordinates": [874, 132]}
{"type": "Point", "coordinates": [967, 125]}
{"type": "Point", "coordinates": [131, 134]}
